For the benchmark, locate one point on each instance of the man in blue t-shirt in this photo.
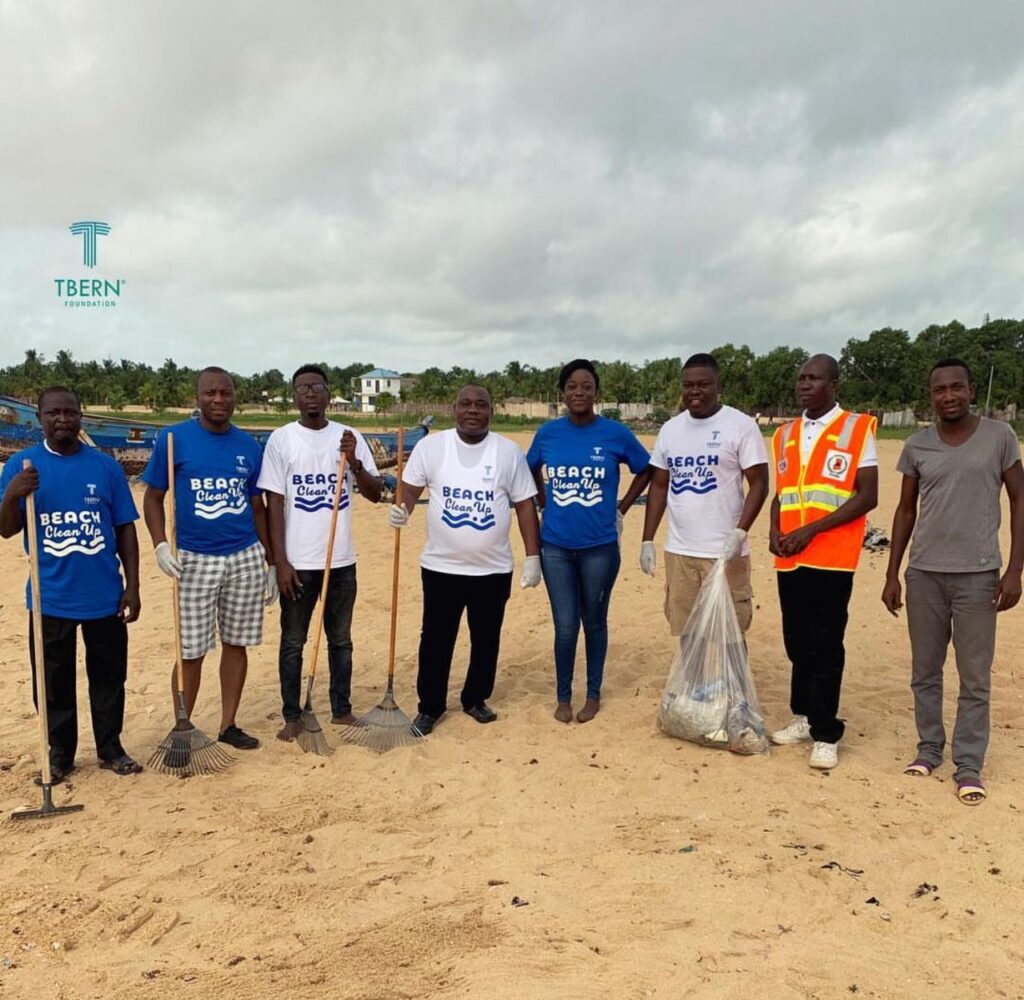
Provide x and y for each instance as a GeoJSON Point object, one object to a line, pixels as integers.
{"type": "Point", "coordinates": [85, 529]}
{"type": "Point", "coordinates": [221, 539]}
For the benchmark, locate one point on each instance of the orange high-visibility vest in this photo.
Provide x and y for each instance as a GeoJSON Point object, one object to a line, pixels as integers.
{"type": "Point", "coordinates": [810, 492]}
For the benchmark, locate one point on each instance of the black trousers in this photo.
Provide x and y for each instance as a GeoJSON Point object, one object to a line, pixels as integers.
{"type": "Point", "coordinates": [814, 613]}
{"type": "Point", "coordinates": [106, 666]}
{"type": "Point", "coordinates": [445, 597]}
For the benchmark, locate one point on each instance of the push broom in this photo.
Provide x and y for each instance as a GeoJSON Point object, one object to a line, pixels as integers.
{"type": "Point", "coordinates": [185, 751]}
{"type": "Point", "coordinates": [45, 774]}
{"type": "Point", "coordinates": [311, 736]}
{"type": "Point", "coordinates": [387, 726]}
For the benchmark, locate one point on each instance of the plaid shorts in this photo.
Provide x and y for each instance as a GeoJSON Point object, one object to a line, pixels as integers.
{"type": "Point", "coordinates": [225, 591]}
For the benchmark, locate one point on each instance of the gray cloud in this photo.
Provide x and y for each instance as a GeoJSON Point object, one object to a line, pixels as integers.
{"type": "Point", "coordinates": [464, 183]}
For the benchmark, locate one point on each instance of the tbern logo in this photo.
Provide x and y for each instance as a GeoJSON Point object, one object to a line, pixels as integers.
{"type": "Point", "coordinates": [89, 231]}
{"type": "Point", "coordinates": [85, 292]}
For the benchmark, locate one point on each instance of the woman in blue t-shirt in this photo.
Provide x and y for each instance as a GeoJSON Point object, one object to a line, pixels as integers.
{"type": "Point", "coordinates": [575, 461]}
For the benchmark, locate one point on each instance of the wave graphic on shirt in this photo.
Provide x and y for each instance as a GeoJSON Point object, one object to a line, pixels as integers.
{"type": "Point", "coordinates": [700, 488]}
{"type": "Point", "coordinates": [312, 504]}
{"type": "Point", "coordinates": [566, 498]}
{"type": "Point", "coordinates": [466, 521]}
{"type": "Point", "coordinates": [85, 547]}
{"type": "Point", "coordinates": [211, 511]}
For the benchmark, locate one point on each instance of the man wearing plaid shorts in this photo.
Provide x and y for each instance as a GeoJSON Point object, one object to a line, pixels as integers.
{"type": "Point", "coordinates": [222, 538]}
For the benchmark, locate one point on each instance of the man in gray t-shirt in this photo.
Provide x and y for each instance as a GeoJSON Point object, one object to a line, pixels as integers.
{"type": "Point", "coordinates": [953, 473]}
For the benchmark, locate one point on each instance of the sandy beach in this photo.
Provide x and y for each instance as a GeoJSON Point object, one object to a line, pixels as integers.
{"type": "Point", "coordinates": [524, 859]}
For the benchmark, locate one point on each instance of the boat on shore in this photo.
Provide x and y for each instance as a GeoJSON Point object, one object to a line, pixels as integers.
{"type": "Point", "coordinates": [130, 442]}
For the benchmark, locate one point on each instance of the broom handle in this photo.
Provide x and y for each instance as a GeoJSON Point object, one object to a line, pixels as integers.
{"type": "Point", "coordinates": [395, 563]}
{"type": "Point", "coordinates": [172, 540]}
{"type": "Point", "coordinates": [321, 607]}
{"type": "Point", "coordinates": [37, 632]}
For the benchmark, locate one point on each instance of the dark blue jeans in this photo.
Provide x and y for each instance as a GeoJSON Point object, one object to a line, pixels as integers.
{"type": "Point", "coordinates": [579, 583]}
{"type": "Point", "coordinates": [295, 618]}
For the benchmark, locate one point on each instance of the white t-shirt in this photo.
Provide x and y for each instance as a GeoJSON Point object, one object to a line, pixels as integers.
{"type": "Point", "coordinates": [471, 488]}
{"type": "Point", "coordinates": [705, 460]}
{"type": "Point", "coordinates": [811, 430]}
{"type": "Point", "coordinates": [301, 465]}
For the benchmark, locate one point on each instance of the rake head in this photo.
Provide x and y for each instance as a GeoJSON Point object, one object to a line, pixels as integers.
{"type": "Point", "coordinates": [47, 808]}
{"type": "Point", "coordinates": [311, 738]}
{"type": "Point", "coordinates": [383, 728]}
{"type": "Point", "coordinates": [186, 752]}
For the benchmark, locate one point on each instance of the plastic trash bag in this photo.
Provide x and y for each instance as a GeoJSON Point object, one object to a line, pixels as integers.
{"type": "Point", "coordinates": [710, 696]}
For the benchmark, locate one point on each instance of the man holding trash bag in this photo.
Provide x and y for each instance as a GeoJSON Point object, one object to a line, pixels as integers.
{"type": "Point", "coordinates": [87, 538]}
{"type": "Point", "coordinates": [826, 465]}
{"type": "Point", "coordinates": [700, 461]}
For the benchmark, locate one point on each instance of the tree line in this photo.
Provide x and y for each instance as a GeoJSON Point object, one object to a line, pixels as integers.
{"type": "Point", "coordinates": [885, 370]}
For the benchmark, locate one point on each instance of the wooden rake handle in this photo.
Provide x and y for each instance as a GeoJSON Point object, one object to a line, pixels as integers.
{"type": "Point", "coordinates": [328, 559]}
{"type": "Point", "coordinates": [395, 562]}
{"type": "Point", "coordinates": [37, 632]}
{"type": "Point", "coordinates": [171, 530]}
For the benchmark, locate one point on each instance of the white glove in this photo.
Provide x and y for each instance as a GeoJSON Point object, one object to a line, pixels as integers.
{"type": "Point", "coordinates": [648, 557]}
{"type": "Point", "coordinates": [531, 572]}
{"type": "Point", "coordinates": [273, 591]}
{"type": "Point", "coordinates": [734, 543]}
{"type": "Point", "coordinates": [619, 522]}
{"type": "Point", "coordinates": [398, 516]}
{"type": "Point", "coordinates": [167, 562]}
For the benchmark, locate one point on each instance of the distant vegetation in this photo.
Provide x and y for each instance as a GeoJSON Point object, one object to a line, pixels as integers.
{"type": "Point", "coordinates": [886, 370]}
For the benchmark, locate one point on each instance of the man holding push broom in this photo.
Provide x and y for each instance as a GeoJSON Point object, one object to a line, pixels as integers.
{"type": "Point", "coordinates": [222, 534]}
{"type": "Point", "coordinates": [299, 475]}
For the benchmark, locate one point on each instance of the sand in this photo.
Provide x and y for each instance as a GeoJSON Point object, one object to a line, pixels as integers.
{"type": "Point", "coordinates": [644, 867]}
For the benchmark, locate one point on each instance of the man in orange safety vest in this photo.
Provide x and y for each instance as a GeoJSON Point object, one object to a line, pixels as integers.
{"type": "Point", "coordinates": [826, 469]}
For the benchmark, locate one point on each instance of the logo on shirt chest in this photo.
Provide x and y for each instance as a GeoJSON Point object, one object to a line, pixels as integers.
{"type": "Point", "coordinates": [837, 464]}
{"type": "Point", "coordinates": [242, 465]}
{"type": "Point", "coordinates": [715, 442]}
{"type": "Point", "coordinates": [91, 498]}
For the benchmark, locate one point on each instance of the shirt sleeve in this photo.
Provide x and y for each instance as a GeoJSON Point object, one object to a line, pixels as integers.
{"type": "Point", "coordinates": [1011, 448]}
{"type": "Point", "coordinates": [752, 450]}
{"type": "Point", "coordinates": [906, 465]}
{"type": "Point", "coordinates": [155, 474]}
{"type": "Point", "coordinates": [365, 455]}
{"type": "Point", "coordinates": [869, 456]}
{"type": "Point", "coordinates": [272, 470]}
{"type": "Point", "coordinates": [415, 471]}
{"type": "Point", "coordinates": [521, 486]}
{"type": "Point", "coordinates": [257, 465]}
{"type": "Point", "coordinates": [534, 457]}
{"type": "Point", "coordinates": [122, 507]}
{"type": "Point", "coordinates": [635, 453]}
{"type": "Point", "coordinates": [658, 459]}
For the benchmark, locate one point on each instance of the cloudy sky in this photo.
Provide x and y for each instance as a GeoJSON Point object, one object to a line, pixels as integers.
{"type": "Point", "coordinates": [439, 183]}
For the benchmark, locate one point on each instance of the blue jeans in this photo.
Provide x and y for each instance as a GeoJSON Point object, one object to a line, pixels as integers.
{"type": "Point", "coordinates": [295, 618]}
{"type": "Point", "coordinates": [579, 583]}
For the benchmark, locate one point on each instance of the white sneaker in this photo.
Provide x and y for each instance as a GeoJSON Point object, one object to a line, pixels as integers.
{"type": "Point", "coordinates": [825, 756]}
{"type": "Point", "coordinates": [797, 730]}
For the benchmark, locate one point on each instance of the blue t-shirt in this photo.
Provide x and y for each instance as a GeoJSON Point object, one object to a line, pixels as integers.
{"type": "Point", "coordinates": [214, 477]}
{"type": "Point", "coordinates": [81, 499]}
{"type": "Point", "coordinates": [581, 466]}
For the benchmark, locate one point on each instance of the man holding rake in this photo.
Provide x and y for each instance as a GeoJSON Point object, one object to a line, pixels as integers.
{"type": "Point", "coordinates": [299, 475]}
{"type": "Point", "coordinates": [222, 534]}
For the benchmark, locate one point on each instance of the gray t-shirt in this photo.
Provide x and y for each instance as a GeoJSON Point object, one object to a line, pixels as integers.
{"type": "Point", "coordinates": [957, 528]}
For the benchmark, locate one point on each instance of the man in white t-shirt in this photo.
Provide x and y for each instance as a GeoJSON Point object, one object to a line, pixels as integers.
{"type": "Point", "coordinates": [700, 461]}
{"type": "Point", "coordinates": [474, 478]}
{"type": "Point", "coordinates": [299, 475]}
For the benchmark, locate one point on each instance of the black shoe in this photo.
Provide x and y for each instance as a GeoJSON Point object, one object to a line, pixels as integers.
{"type": "Point", "coordinates": [482, 712]}
{"type": "Point", "coordinates": [424, 723]}
{"type": "Point", "coordinates": [239, 739]}
{"type": "Point", "coordinates": [58, 772]}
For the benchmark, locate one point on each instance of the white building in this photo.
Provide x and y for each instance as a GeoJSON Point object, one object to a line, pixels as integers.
{"type": "Point", "coordinates": [371, 384]}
